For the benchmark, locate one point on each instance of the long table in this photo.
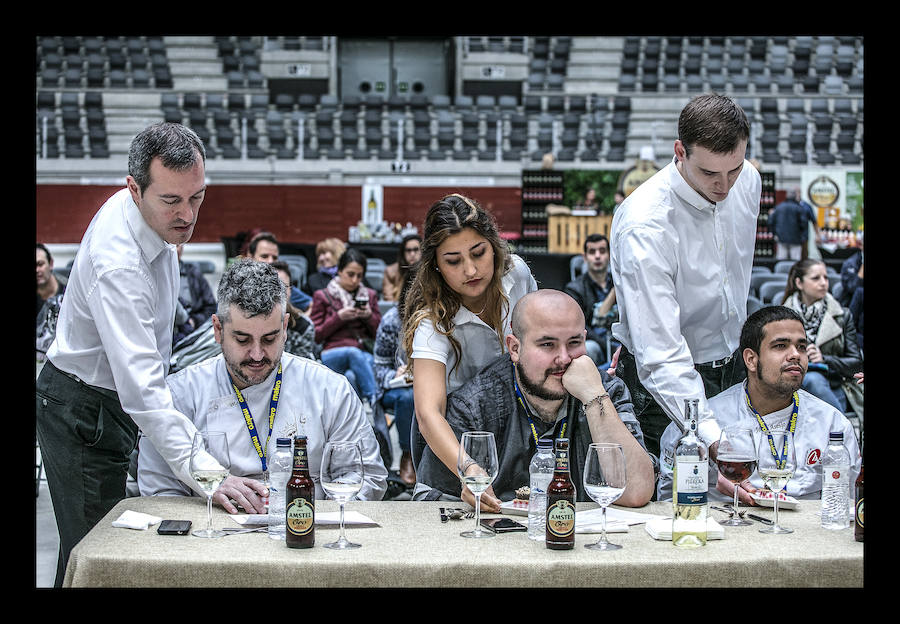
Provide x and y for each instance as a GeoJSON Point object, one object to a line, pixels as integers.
{"type": "Point", "coordinates": [411, 547]}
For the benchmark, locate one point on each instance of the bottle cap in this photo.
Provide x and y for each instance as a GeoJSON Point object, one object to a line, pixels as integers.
{"type": "Point", "coordinates": [836, 435]}
{"type": "Point", "coordinates": [283, 442]}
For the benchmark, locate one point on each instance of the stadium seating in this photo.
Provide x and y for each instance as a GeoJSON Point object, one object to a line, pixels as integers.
{"type": "Point", "coordinates": [803, 95]}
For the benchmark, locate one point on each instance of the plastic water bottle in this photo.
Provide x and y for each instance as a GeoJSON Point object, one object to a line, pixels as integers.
{"type": "Point", "coordinates": [835, 483]}
{"type": "Point", "coordinates": [540, 473]}
{"type": "Point", "coordinates": [280, 466]}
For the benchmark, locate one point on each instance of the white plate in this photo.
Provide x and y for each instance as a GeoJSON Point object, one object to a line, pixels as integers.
{"type": "Point", "coordinates": [765, 498]}
{"type": "Point", "coordinates": [514, 507]}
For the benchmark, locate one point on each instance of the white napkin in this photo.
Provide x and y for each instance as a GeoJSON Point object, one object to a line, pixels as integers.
{"type": "Point", "coordinates": [135, 520]}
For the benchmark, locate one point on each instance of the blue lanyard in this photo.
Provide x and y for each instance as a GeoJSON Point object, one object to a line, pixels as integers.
{"type": "Point", "coordinates": [562, 431]}
{"type": "Point", "coordinates": [248, 418]}
{"type": "Point", "coordinates": [781, 458]}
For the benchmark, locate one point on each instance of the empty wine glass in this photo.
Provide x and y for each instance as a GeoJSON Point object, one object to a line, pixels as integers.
{"type": "Point", "coordinates": [209, 466]}
{"type": "Point", "coordinates": [776, 464]}
{"type": "Point", "coordinates": [477, 467]}
{"type": "Point", "coordinates": [604, 481]}
{"type": "Point", "coordinates": [342, 478]}
{"type": "Point", "coordinates": [736, 460]}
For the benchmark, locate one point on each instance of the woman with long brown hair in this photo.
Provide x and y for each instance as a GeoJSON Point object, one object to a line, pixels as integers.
{"type": "Point", "coordinates": [457, 312]}
{"type": "Point", "coordinates": [834, 353]}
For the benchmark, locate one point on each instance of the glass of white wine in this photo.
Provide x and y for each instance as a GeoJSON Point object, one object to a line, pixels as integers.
{"type": "Point", "coordinates": [342, 479]}
{"type": "Point", "coordinates": [736, 460]}
{"type": "Point", "coordinates": [210, 465]}
{"type": "Point", "coordinates": [604, 481]}
{"type": "Point", "coordinates": [477, 467]}
{"type": "Point", "coordinates": [776, 464]}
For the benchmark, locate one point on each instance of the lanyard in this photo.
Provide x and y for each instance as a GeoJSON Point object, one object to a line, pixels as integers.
{"type": "Point", "coordinates": [781, 458]}
{"type": "Point", "coordinates": [522, 402]}
{"type": "Point", "coordinates": [248, 418]}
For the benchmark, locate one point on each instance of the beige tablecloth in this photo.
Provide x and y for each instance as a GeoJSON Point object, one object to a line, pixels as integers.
{"type": "Point", "coordinates": [412, 548]}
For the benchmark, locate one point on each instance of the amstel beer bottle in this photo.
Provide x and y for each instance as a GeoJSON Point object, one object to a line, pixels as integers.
{"type": "Point", "coordinates": [560, 532]}
{"type": "Point", "coordinates": [300, 510]}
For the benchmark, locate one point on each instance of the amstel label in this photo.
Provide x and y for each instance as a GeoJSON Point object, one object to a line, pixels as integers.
{"type": "Point", "coordinates": [300, 516]}
{"type": "Point", "coordinates": [561, 518]}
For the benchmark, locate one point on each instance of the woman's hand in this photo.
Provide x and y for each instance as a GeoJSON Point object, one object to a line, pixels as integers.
{"type": "Point", "coordinates": [813, 353]}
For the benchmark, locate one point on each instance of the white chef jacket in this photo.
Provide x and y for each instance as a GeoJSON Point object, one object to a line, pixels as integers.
{"type": "Point", "coordinates": [479, 343]}
{"type": "Point", "coordinates": [682, 265]}
{"type": "Point", "coordinates": [313, 401]}
{"type": "Point", "coordinates": [815, 420]}
{"type": "Point", "coordinates": [116, 320]}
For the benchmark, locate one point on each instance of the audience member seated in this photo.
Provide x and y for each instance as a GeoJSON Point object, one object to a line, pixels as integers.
{"type": "Point", "coordinates": [49, 284]}
{"type": "Point", "coordinates": [313, 401]}
{"type": "Point", "coordinates": [327, 253]}
{"type": "Point", "coordinates": [544, 387]}
{"type": "Point", "coordinates": [834, 353]}
{"type": "Point", "coordinates": [346, 317]}
{"type": "Point", "coordinates": [301, 334]}
{"type": "Point", "coordinates": [408, 254]}
{"type": "Point", "coordinates": [773, 346]}
{"type": "Point", "coordinates": [264, 248]}
{"type": "Point", "coordinates": [394, 383]}
{"type": "Point", "coordinates": [50, 290]}
{"type": "Point", "coordinates": [595, 293]}
{"type": "Point", "coordinates": [195, 296]}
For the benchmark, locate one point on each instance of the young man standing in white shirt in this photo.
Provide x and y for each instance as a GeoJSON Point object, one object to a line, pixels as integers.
{"type": "Point", "coordinates": [105, 374]}
{"type": "Point", "coordinates": [681, 255]}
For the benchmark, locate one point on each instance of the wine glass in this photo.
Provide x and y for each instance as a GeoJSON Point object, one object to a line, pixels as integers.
{"type": "Point", "coordinates": [776, 464]}
{"type": "Point", "coordinates": [209, 466]}
{"type": "Point", "coordinates": [342, 478]}
{"type": "Point", "coordinates": [736, 460]}
{"type": "Point", "coordinates": [477, 466]}
{"type": "Point", "coordinates": [604, 481]}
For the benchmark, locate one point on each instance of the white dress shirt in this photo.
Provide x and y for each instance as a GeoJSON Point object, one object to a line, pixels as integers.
{"type": "Point", "coordinates": [313, 401]}
{"type": "Point", "coordinates": [815, 420]}
{"type": "Point", "coordinates": [682, 265]}
{"type": "Point", "coordinates": [479, 343]}
{"type": "Point", "coordinates": [115, 324]}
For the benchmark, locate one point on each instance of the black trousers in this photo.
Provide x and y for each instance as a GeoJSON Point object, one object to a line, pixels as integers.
{"type": "Point", "coordinates": [86, 442]}
{"type": "Point", "coordinates": [650, 414]}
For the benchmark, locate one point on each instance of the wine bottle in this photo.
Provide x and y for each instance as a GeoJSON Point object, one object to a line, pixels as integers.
{"type": "Point", "coordinates": [689, 500]}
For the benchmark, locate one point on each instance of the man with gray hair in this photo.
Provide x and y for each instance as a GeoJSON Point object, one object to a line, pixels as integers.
{"type": "Point", "coordinates": [104, 378]}
{"type": "Point", "coordinates": [257, 393]}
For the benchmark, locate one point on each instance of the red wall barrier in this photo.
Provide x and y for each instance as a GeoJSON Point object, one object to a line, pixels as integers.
{"type": "Point", "coordinates": [296, 214]}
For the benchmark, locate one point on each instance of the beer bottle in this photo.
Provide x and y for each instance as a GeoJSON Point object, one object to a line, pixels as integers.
{"type": "Point", "coordinates": [560, 531]}
{"type": "Point", "coordinates": [300, 510]}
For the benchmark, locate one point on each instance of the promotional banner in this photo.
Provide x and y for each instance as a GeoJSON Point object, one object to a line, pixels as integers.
{"type": "Point", "coordinates": [837, 196]}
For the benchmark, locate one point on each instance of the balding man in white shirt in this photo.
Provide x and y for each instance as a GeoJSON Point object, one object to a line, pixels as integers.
{"type": "Point", "coordinates": [105, 374]}
{"type": "Point", "coordinates": [681, 258]}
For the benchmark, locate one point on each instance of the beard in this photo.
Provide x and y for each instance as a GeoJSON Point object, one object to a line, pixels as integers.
{"type": "Point", "coordinates": [780, 387]}
{"type": "Point", "coordinates": [537, 388]}
{"type": "Point", "coordinates": [246, 377]}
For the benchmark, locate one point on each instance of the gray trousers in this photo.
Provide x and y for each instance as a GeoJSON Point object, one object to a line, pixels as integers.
{"type": "Point", "coordinates": [86, 440]}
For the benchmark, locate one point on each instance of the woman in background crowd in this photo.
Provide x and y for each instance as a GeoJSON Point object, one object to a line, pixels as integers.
{"type": "Point", "coordinates": [834, 353]}
{"type": "Point", "coordinates": [407, 255]}
{"type": "Point", "coordinates": [328, 252]}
